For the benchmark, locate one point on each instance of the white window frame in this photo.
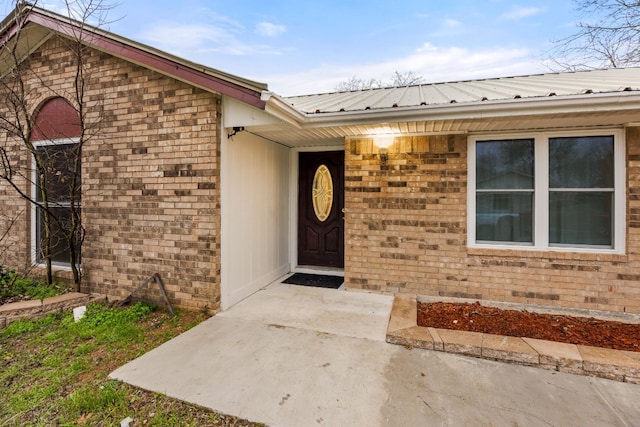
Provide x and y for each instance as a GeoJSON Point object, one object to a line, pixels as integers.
{"type": "Point", "coordinates": [541, 192]}
{"type": "Point", "coordinates": [34, 206]}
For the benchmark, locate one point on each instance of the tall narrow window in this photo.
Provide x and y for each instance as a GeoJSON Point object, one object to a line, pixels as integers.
{"type": "Point", "coordinates": [504, 190]}
{"type": "Point", "coordinates": [58, 186]}
{"type": "Point", "coordinates": [57, 182]}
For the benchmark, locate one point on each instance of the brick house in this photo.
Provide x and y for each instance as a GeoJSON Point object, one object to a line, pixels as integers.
{"type": "Point", "coordinates": [520, 189]}
{"type": "Point", "coordinates": [150, 177]}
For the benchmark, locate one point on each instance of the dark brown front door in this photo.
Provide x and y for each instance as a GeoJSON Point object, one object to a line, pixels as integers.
{"type": "Point", "coordinates": [320, 209]}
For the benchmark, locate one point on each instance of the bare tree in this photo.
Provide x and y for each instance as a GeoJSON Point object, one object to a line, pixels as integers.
{"type": "Point", "coordinates": [7, 222]}
{"type": "Point", "coordinates": [357, 83]}
{"type": "Point", "coordinates": [407, 78]}
{"type": "Point", "coordinates": [607, 36]}
{"type": "Point", "coordinates": [398, 79]}
{"type": "Point", "coordinates": [53, 173]}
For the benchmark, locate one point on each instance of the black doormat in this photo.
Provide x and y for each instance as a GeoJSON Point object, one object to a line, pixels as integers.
{"type": "Point", "coordinates": [320, 281]}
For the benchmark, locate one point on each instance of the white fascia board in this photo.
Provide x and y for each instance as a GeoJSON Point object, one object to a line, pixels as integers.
{"type": "Point", "coordinates": [280, 109]}
{"type": "Point", "coordinates": [584, 103]}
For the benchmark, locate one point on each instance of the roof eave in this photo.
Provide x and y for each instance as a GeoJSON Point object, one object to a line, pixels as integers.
{"type": "Point", "coordinates": [282, 110]}
{"type": "Point", "coordinates": [206, 78]}
{"type": "Point", "coordinates": [477, 110]}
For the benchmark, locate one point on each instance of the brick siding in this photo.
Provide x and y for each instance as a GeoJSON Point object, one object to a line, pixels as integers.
{"type": "Point", "coordinates": [406, 232]}
{"type": "Point", "coordinates": [150, 179]}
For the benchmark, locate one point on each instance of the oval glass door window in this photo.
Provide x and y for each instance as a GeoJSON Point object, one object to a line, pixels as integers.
{"type": "Point", "coordinates": [322, 193]}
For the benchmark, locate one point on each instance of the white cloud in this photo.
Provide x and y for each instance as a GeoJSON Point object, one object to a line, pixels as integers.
{"type": "Point", "coordinates": [186, 37]}
{"type": "Point", "coordinates": [211, 33]}
{"type": "Point", "coordinates": [446, 29]}
{"type": "Point", "coordinates": [426, 47]}
{"type": "Point", "coordinates": [435, 64]}
{"type": "Point", "coordinates": [194, 41]}
{"type": "Point", "coordinates": [522, 12]}
{"type": "Point", "coordinates": [451, 23]}
{"type": "Point", "coordinates": [83, 12]}
{"type": "Point", "coordinates": [269, 29]}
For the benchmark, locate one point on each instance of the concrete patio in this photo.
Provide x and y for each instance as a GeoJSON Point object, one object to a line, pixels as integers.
{"type": "Point", "coordinates": [298, 356]}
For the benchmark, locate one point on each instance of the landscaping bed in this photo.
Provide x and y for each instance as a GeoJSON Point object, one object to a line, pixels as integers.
{"type": "Point", "coordinates": [475, 317]}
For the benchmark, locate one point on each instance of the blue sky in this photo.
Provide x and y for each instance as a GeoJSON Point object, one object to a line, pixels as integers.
{"type": "Point", "coordinates": [300, 47]}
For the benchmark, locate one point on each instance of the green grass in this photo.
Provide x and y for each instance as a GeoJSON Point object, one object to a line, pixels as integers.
{"type": "Point", "coordinates": [12, 284]}
{"type": "Point", "coordinates": [54, 371]}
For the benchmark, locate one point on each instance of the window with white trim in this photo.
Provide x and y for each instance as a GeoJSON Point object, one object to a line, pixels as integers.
{"type": "Point", "coordinates": [547, 191]}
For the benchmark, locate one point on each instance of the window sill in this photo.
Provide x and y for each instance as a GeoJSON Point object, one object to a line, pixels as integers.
{"type": "Point", "coordinates": [57, 267]}
{"type": "Point", "coordinates": [582, 254]}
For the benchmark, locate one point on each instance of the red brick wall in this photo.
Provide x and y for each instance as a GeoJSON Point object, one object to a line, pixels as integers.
{"type": "Point", "coordinates": [406, 232]}
{"type": "Point", "coordinates": [150, 178]}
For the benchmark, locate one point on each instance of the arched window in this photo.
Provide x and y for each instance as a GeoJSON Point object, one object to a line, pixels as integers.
{"type": "Point", "coordinates": [56, 181]}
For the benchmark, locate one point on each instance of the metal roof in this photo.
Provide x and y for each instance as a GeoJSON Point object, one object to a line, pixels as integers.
{"type": "Point", "coordinates": [553, 101]}
{"type": "Point", "coordinates": [503, 88]}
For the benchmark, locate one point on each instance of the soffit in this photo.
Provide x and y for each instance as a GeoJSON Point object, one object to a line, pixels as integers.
{"type": "Point", "coordinates": [33, 36]}
{"type": "Point", "coordinates": [294, 136]}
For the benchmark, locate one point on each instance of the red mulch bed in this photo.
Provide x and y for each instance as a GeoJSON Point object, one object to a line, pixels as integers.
{"type": "Point", "coordinates": [567, 329]}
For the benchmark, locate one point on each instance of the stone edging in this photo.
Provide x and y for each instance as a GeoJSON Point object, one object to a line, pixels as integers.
{"type": "Point", "coordinates": [38, 308]}
{"type": "Point", "coordinates": [615, 365]}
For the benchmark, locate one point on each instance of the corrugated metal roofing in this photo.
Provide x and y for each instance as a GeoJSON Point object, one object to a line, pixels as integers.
{"type": "Point", "coordinates": [532, 86]}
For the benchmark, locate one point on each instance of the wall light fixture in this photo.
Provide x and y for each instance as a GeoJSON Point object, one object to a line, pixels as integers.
{"type": "Point", "coordinates": [384, 138]}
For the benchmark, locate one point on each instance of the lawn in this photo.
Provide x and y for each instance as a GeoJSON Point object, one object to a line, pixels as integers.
{"type": "Point", "coordinates": [54, 371]}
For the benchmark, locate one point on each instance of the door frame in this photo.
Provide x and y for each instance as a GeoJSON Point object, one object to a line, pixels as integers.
{"type": "Point", "coordinates": [293, 210]}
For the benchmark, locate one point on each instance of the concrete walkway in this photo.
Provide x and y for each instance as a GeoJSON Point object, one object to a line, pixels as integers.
{"type": "Point", "coordinates": [298, 356]}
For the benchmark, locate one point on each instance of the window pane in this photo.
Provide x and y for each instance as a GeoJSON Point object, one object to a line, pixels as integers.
{"type": "Point", "coordinates": [504, 217]}
{"type": "Point", "coordinates": [505, 164]}
{"type": "Point", "coordinates": [581, 218]}
{"type": "Point", "coordinates": [581, 162]}
{"type": "Point", "coordinates": [59, 230]}
{"type": "Point", "coordinates": [59, 164]}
